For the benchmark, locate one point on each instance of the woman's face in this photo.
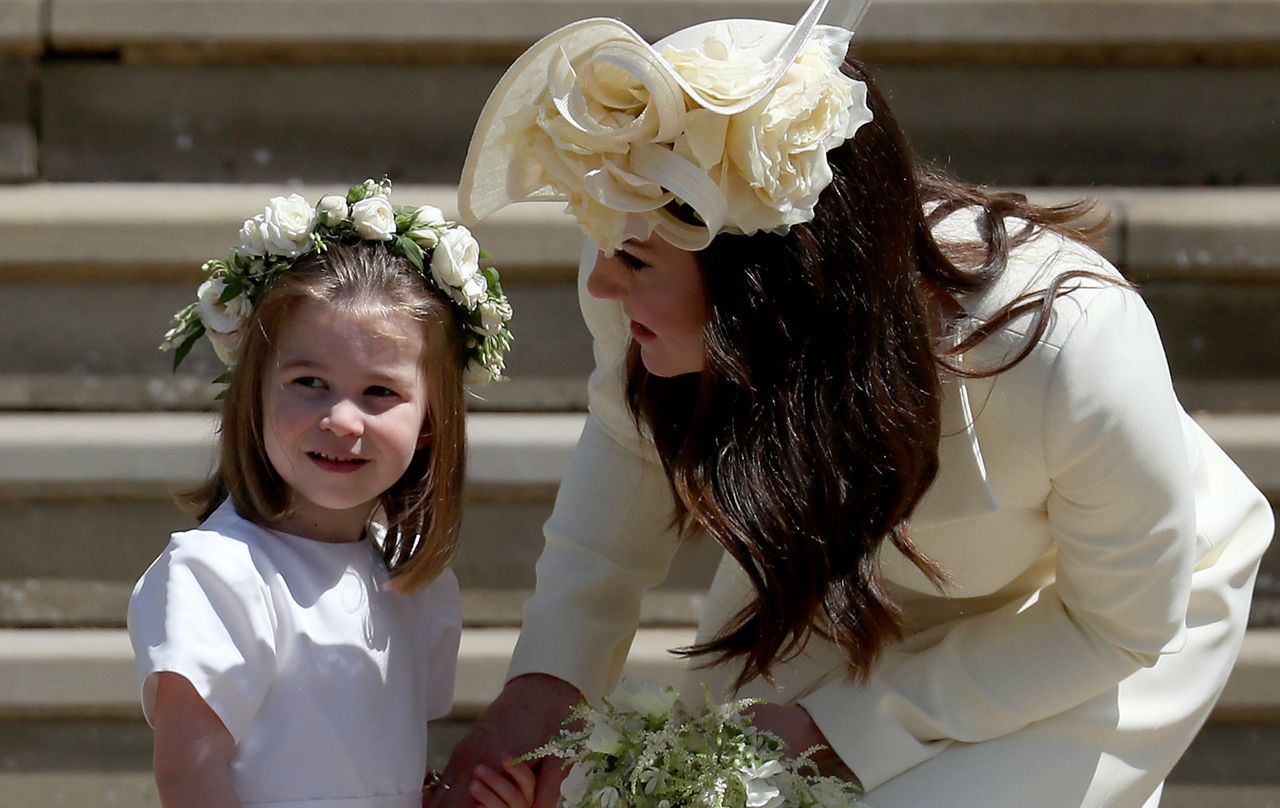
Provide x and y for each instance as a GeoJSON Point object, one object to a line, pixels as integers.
{"type": "Point", "coordinates": [661, 291]}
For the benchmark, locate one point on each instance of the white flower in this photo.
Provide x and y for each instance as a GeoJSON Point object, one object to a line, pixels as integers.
{"type": "Point", "coordinates": [456, 258]}
{"type": "Point", "coordinates": [603, 739]}
{"type": "Point", "coordinates": [761, 793]}
{"type": "Point", "coordinates": [644, 697]}
{"type": "Point", "coordinates": [224, 318]}
{"type": "Point", "coordinates": [427, 223]}
{"type": "Point", "coordinates": [472, 292]}
{"type": "Point", "coordinates": [778, 148]}
{"type": "Point", "coordinates": [226, 346]}
{"type": "Point", "coordinates": [333, 210]}
{"type": "Point", "coordinates": [493, 315]}
{"type": "Point", "coordinates": [608, 797]}
{"type": "Point", "coordinates": [374, 219]}
{"type": "Point", "coordinates": [574, 788]}
{"type": "Point", "coordinates": [283, 228]}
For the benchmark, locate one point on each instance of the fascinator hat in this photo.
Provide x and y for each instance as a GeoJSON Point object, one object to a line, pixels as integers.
{"type": "Point", "coordinates": [720, 127]}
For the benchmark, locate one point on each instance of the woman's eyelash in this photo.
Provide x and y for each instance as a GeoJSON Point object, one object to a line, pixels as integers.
{"type": "Point", "coordinates": [630, 261]}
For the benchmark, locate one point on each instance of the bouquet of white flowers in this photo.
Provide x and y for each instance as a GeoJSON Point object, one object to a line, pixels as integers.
{"type": "Point", "coordinates": [642, 748]}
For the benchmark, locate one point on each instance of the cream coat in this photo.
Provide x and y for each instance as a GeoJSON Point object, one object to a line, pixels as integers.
{"type": "Point", "coordinates": [1102, 551]}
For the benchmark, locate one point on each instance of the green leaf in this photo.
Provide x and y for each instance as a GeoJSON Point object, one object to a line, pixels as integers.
{"type": "Point", "coordinates": [224, 378]}
{"type": "Point", "coordinates": [186, 346]}
{"type": "Point", "coordinates": [485, 254]}
{"type": "Point", "coordinates": [234, 287]}
{"type": "Point", "coordinates": [354, 194]}
{"type": "Point", "coordinates": [410, 249]}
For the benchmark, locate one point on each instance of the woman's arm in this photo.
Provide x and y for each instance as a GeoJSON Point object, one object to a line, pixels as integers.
{"type": "Point", "coordinates": [193, 750]}
{"type": "Point", "coordinates": [1122, 516]}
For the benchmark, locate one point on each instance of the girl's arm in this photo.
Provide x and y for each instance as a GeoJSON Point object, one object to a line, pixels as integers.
{"type": "Point", "coordinates": [193, 749]}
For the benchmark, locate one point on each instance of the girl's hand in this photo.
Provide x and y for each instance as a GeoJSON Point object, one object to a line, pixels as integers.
{"type": "Point", "coordinates": [525, 715]}
{"type": "Point", "coordinates": [512, 789]}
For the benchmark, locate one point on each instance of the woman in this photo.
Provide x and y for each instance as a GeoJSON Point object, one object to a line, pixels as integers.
{"type": "Point", "coordinates": [973, 543]}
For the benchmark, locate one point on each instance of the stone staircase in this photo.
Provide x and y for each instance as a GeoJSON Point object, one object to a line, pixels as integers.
{"type": "Point", "coordinates": [137, 134]}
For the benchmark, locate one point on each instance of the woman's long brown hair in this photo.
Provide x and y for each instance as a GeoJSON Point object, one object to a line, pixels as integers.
{"type": "Point", "coordinates": [812, 433]}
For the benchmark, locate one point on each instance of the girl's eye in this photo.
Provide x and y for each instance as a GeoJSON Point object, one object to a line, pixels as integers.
{"type": "Point", "coordinates": [377, 391]}
{"type": "Point", "coordinates": [630, 261]}
{"type": "Point", "coordinates": [310, 382]}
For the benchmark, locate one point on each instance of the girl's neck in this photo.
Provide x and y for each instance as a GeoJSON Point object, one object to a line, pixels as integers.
{"type": "Point", "coordinates": [330, 528]}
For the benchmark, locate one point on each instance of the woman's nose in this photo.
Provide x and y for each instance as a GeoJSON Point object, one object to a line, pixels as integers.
{"type": "Point", "coordinates": [344, 418]}
{"type": "Point", "coordinates": [607, 280]}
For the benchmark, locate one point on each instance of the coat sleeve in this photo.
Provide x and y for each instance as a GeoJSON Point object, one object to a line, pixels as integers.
{"type": "Point", "coordinates": [1122, 516]}
{"type": "Point", "coordinates": [610, 536]}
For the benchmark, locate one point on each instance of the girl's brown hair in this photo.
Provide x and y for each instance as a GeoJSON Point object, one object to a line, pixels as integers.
{"type": "Point", "coordinates": [423, 509]}
{"type": "Point", "coordinates": [812, 433]}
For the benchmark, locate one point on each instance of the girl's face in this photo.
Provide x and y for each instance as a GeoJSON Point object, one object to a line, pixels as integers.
{"type": "Point", "coordinates": [661, 291]}
{"type": "Point", "coordinates": [344, 410]}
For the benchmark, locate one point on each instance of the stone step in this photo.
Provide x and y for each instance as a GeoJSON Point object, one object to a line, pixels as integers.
{"type": "Point", "coordinates": [1005, 91]}
{"type": "Point", "coordinates": [1185, 26]}
{"type": "Point", "coordinates": [103, 120]}
{"type": "Point", "coordinates": [72, 732]}
{"type": "Point", "coordinates": [68, 480]}
{"type": "Point", "coordinates": [79, 674]}
{"type": "Point", "coordinates": [1209, 260]}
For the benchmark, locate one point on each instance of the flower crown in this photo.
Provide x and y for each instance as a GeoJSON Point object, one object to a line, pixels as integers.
{"type": "Point", "coordinates": [272, 242]}
{"type": "Point", "coordinates": [730, 119]}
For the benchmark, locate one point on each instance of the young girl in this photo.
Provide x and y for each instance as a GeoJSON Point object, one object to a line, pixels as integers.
{"type": "Point", "coordinates": [291, 650]}
{"type": "Point", "coordinates": [973, 544]}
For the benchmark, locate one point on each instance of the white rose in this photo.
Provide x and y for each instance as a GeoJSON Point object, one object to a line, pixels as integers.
{"type": "Point", "coordinates": [778, 148]}
{"type": "Point", "coordinates": [476, 374]}
{"type": "Point", "coordinates": [644, 697]}
{"type": "Point", "coordinates": [456, 259]}
{"type": "Point", "coordinates": [224, 318]}
{"type": "Point", "coordinates": [426, 226]}
{"type": "Point", "coordinates": [472, 292]}
{"type": "Point", "coordinates": [574, 788]}
{"type": "Point", "coordinates": [226, 346]}
{"type": "Point", "coordinates": [333, 210]}
{"type": "Point", "coordinates": [721, 70]}
{"type": "Point", "coordinates": [283, 228]}
{"type": "Point", "coordinates": [493, 315]}
{"type": "Point", "coordinates": [761, 793]}
{"type": "Point", "coordinates": [374, 219]}
{"type": "Point", "coordinates": [604, 739]}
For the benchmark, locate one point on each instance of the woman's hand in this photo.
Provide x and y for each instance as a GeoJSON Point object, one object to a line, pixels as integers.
{"type": "Point", "coordinates": [527, 713]}
{"type": "Point", "coordinates": [793, 724]}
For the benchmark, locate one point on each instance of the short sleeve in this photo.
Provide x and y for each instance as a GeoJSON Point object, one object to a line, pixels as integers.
{"type": "Point", "coordinates": [202, 611]}
{"type": "Point", "coordinates": [444, 609]}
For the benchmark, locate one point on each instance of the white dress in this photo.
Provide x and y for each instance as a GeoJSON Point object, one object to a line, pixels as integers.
{"type": "Point", "coordinates": [324, 677]}
{"type": "Point", "coordinates": [1102, 552]}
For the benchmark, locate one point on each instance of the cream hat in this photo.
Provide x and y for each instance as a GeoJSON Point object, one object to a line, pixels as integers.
{"type": "Point", "coordinates": [731, 118]}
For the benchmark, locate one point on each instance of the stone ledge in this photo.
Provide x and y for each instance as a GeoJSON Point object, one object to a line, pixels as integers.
{"type": "Point", "coordinates": [140, 231]}
{"type": "Point", "coordinates": [76, 455]}
{"type": "Point", "coordinates": [162, 232]}
{"type": "Point", "coordinates": [21, 29]}
{"type": "Point", "coordinates": [124, 454]}
{"type": "Point", "coordinates": [83, 674]}
{"type": "Point", "coordinates": [95, 23]}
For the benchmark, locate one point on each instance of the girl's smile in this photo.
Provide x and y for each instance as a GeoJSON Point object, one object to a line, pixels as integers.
{"type": "Point", "coordinates": [344, 406]}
